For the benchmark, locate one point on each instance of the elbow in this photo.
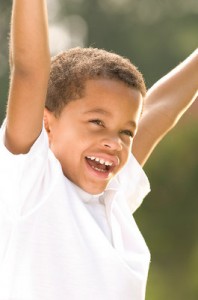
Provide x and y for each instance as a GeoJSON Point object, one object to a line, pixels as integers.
{"type": "Point", "coordinates": [34, 71]}
{"type": "Point", "coordinates": [27, 64]}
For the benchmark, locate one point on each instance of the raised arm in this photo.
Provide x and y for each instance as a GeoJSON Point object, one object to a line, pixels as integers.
{"type": "Point", "coordinates": [30, 65]}
{"type": "Point", "coordinates": [165, 103]}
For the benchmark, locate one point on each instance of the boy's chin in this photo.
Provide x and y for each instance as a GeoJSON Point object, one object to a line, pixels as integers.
{"type": "Point", "coordinates": [94, 189]}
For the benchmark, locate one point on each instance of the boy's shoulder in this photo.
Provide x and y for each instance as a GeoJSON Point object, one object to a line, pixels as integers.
{"type": "Point", "coordinates": [133, 183]}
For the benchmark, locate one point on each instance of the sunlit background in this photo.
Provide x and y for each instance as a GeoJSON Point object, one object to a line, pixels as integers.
{"type": "Point", "coordinates": [156, 35]}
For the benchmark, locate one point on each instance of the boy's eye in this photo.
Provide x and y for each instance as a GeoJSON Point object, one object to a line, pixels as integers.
{"type": "Point", "coordinates": [97, 122]}
{"type": "Point", "coordinates": [128, 133]}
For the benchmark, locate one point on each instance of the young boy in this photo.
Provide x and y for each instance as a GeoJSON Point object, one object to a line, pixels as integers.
{"type": "Point", "coordinates": [68, 191]}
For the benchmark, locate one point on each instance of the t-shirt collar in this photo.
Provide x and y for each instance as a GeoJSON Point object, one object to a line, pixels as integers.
{"type": "Point", "coordinates": [88, 198]}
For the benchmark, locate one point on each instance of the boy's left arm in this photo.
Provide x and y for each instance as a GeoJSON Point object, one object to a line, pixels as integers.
{"type": "Point", "coordinates": [165, 103]}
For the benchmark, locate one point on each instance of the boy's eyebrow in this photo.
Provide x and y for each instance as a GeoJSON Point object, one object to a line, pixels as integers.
{"type": "Point", "coordinates": [104, 112]}
{"type": "Point", "coordinates": [99, 111]}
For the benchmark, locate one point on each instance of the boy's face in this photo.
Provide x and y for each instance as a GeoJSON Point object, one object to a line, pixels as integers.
{"type": "Point", "coordinates": [93, 137]}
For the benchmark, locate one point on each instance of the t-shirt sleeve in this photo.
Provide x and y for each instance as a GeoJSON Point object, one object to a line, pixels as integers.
{"type": "Point", "coordinates": [21, 175]}
{"type": "Point", "coordinates": [134, 183]}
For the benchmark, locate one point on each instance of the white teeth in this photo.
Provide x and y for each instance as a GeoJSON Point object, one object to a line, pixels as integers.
{"type": "Point", "coordinates": [100, 160]}
{"type": "Point", "coordinates": [103, 171]}
{"type": "Point", "coordinates": [107, 163]}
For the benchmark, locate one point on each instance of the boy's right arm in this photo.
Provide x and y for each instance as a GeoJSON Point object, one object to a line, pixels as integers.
{"type": "Point", "coordinates": [30, 65]}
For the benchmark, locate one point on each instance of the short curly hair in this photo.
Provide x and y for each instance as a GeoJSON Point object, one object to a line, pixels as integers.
{"type": "Point", "coordinates": [72, 68]}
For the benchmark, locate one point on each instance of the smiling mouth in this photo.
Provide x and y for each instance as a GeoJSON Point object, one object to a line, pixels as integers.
{"type": "Point", "coordinates": [99, 164]}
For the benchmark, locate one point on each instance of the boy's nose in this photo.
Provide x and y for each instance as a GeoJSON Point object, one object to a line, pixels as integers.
{"type": "Point", "coordinates": [113, 143]}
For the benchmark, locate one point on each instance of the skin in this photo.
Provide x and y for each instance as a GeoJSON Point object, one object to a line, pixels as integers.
{"type": "Point", "coordinates": [101, 124]}
{"type": "Point", "coordinates": [30, 66]}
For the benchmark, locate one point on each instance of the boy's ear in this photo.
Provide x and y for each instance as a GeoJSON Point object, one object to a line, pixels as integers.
{"type": "Point", "coordinates": [47, 118]}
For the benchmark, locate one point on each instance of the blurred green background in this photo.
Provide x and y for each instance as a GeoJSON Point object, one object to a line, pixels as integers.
{"type": "Point", "coordinates": [156, 35]}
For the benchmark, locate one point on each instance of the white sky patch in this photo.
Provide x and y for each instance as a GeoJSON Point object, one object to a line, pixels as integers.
{"type": "Point", "coordinates": [69, 32]}
{"type": "Point", "coordinates": [78, 30]}
{"type": "Point", "coordinates": [59, 38]}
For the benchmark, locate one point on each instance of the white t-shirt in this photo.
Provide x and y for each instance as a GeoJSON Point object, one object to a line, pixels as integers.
{"type": "Point", "coordinates": [58, 242]}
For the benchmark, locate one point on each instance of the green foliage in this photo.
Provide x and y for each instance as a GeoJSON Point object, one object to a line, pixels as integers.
{"type": "Point", "coordinates": [4, 30]}
{"type": "Point", "coordinates": [168, 217]}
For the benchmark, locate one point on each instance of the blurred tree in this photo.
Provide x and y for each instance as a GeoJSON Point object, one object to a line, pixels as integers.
{"type": "Point", "coordinates": [168, 217]}
{"type": "Point", "coordinates": [5, 6]}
